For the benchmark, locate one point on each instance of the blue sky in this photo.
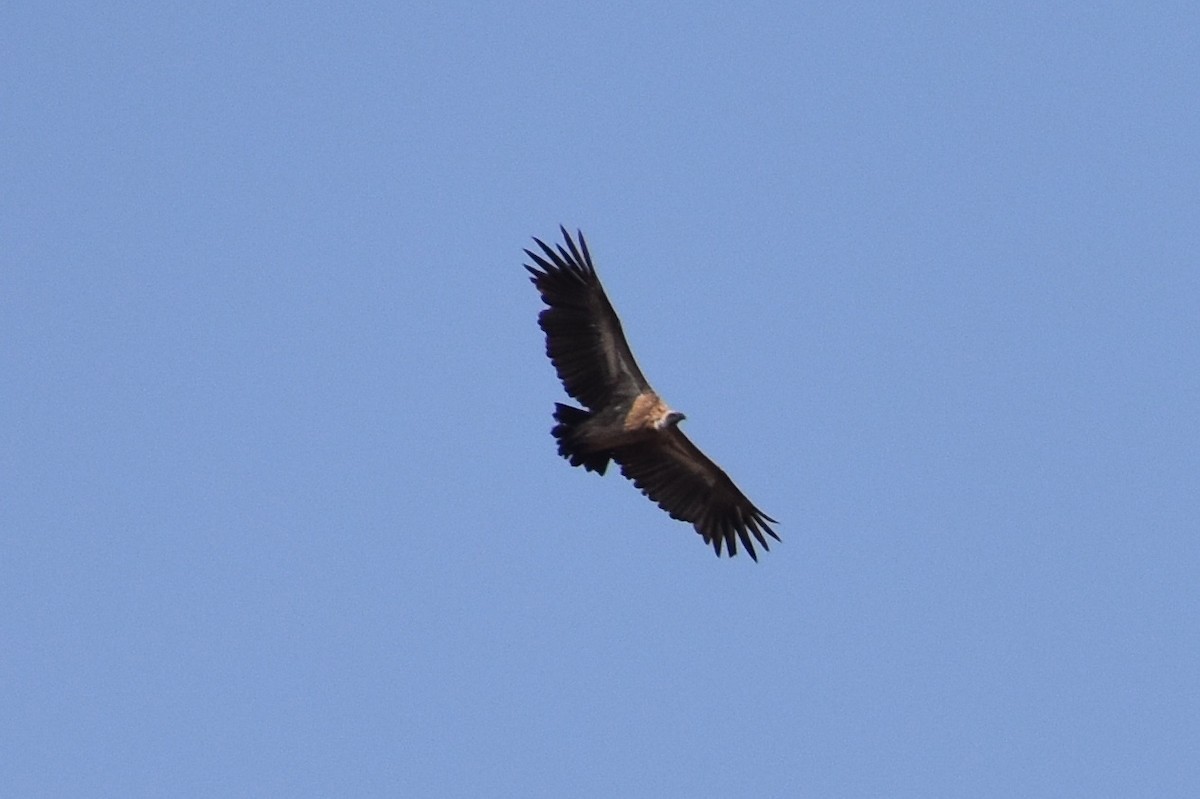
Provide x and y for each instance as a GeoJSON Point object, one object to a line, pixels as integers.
{"type": "Point", "coordinates": [281, 513]}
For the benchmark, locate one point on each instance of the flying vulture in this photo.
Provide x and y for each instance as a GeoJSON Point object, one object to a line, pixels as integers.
{"type": "Point", "coordinates": [625, 420]}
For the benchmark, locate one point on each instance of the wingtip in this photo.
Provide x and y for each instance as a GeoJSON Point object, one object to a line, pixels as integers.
{"type": "Point", "coordinates": [587, 256]}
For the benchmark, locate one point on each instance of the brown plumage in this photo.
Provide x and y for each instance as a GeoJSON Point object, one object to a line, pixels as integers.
{"type": "Point", "coordinates": [625, 420]}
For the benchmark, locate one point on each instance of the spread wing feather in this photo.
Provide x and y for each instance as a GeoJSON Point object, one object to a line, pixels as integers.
{"type": "Point", "coordinates": [584, 340]}
{"type": "Point", "coordinates": [683, 481]}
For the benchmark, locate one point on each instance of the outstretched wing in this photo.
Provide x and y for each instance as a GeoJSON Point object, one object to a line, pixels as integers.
{"type": "Point", "coordinates": [583, 335]}
{"type": "Point", "coordinates": [673, 472]}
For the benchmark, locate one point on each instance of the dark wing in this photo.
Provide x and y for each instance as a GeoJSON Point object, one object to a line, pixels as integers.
{"type": "Point", "coordinates": [673, 472]}
{"type": "Point", "coordinates": [583, 335]}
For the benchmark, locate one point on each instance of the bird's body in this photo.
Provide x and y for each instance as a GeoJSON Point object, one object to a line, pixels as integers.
{"type": "Point", "coordinates": [623, 418]}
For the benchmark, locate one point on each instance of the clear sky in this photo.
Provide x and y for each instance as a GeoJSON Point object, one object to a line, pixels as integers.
{"type": "Point", "coordinates": [281, 515]}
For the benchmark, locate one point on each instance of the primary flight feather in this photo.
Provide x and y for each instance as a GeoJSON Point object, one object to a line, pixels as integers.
{"type": "Point", "coordinates": [623, 419]}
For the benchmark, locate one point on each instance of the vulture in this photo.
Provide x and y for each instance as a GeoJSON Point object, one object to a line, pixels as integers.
{"type": "Point", "coordinates": [623, 419]}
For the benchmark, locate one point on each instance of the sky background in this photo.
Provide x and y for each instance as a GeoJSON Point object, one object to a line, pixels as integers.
{"type": "Point", "coordinates": [280, 512]}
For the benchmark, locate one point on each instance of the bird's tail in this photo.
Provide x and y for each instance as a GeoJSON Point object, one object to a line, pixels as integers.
{"type": "Point", "coordinates": [570, 443]}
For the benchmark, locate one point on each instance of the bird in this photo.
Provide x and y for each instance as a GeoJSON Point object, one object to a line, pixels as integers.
{"type": "Point", "coordinates": [623, 420]}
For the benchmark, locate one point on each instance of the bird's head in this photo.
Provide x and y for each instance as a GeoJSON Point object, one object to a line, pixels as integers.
{"type": "Point", "coordinates": [671, 419]}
